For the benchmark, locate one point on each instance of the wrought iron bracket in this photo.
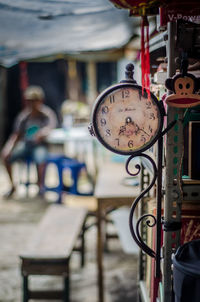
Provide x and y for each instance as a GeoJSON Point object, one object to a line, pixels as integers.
{"type": "Point", "coordinates": [136, 233]}
{"type": "Point", "coordinates": [149, 219]}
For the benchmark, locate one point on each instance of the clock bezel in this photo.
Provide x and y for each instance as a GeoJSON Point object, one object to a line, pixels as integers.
{"type": "Point", "coordinates": [98, 103]}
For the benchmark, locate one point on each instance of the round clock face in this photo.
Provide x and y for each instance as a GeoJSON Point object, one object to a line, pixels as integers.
{"type": "Point", "coordinates": [125, 121]}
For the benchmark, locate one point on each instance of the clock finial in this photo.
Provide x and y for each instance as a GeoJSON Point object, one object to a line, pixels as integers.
{"type": "Point", "coordinates": [129, 72]}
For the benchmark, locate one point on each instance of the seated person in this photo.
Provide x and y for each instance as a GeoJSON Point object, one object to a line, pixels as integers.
{"type": "Point", "coordinates": [31, 127]}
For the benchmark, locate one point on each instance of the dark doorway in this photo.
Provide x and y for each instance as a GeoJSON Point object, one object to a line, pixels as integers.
{"type": "Point", "coordinates": [50, 76]}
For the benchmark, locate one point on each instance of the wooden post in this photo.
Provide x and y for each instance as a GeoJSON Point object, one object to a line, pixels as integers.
{"type": "Point", "coordinates": [92, 82]}
{"type": "Point", "coordinates": [3, 75]}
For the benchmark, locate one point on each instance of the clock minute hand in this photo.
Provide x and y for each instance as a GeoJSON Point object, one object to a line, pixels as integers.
{"type": "Point", "coordinates": [143, 131]}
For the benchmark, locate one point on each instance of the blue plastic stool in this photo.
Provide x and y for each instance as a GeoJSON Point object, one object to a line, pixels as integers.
{"type": "Point", "coordinates": [27, 162]}
{"type": "Point", "coordinates": [62, 163]}
{"type": "Point", "coordinates": [57, 160]}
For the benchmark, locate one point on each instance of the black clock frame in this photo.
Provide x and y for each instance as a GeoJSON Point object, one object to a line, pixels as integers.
{"type": "Point", "coordinates": [149, 219]}
{"type": "Point", "coordinates": [109, 90]}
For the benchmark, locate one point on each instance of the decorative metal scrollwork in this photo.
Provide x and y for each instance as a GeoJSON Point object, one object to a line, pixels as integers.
{"type": "Point", "coordinates": [136, 232]}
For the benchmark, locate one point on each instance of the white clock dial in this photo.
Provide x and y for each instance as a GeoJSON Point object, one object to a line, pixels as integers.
{"type": "Point", "coordinates": [125, 120]}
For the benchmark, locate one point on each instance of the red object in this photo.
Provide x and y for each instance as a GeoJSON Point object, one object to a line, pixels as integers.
{"type": "Point", "coordinates": [180, 10]}
{"type": "Point", "coordinates": [145, 60]}
{"type": "Point", "coordinates": [23, 79]}
{"type": "Point", "coordinates": [183, 102]}
{"type": "Point", "coordinates": [142, 8]}
{"type": "Point", "coordinates": [154, 280]}
{"type": "Point", "coordinates": [131, 4]}
{"type": "Point", "coordinates": [138, 7]}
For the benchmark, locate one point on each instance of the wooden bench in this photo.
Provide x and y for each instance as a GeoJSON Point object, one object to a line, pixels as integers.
{"type": "Point", "coordinates": [50, 250]}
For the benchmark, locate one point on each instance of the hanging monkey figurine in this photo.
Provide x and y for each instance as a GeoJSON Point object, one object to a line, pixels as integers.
{"type": "Point", "coordinates": [185, 87]}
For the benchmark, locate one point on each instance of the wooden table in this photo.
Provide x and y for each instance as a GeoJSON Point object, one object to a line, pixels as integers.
{"type": "Point", "coordinates": [110, 192]}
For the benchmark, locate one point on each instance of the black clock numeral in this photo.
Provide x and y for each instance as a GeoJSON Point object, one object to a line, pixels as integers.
{"type": "Point", "coordinates": [144, 94]}
{"type": "Point", "coordinates": [125, 93]}
{"type": "Point", "coordinates": [150, 129]}
{"type": "Point", "coordinates": [143, 139]}
{"type": "Point", "coordinates": [117, 140]}
{"type": "Point", "coordinates": [122, 129]}
{"type": "Point", "coordinates": [104, 109]}
{"type": "Point", "coordinates": [103, 122]}
{"type": "Point", "coordinates": [148, 105]}
{"type": "Point", "coordinates": [130, 144]}
{"type": "Point", "coordinates": [112, 99]}
{"type": "Point", "coordinates": [108, 132]}
{"type": "Point", "coordinates": [152, 116]}
{"type": "Point", "coordinates": [140, 94]}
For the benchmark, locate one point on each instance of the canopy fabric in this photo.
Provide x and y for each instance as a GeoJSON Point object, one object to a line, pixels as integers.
{"type": "Point", "coordinates": [37, 28]}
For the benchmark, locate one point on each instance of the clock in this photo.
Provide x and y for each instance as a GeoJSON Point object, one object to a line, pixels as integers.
{"type": "Point", "coordinates": [127, 120]}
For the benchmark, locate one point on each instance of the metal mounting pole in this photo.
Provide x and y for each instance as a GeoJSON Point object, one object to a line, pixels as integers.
{"type": "Point", "coordinates": [159, 205]}
{"type": "Point", "coordinates": [173, 152]}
